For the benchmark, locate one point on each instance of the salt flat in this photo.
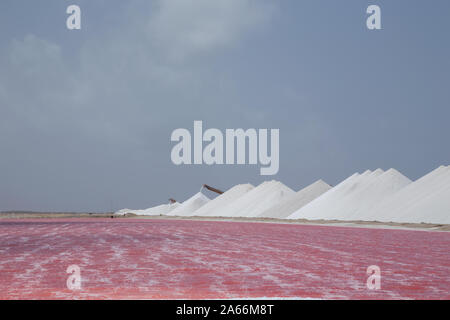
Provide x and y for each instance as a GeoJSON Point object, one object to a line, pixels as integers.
{"type": "Point", "coordinates": [184, 259]}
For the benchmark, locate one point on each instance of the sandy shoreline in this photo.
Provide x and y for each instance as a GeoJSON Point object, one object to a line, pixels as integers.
{"type": "Point", "coordinates": [336, 223]}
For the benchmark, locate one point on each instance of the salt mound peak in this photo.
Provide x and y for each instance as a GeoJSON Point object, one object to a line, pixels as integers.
{"type": "Point", "coordinates": [414, 191]}
{"type": "Point", "coordinates": [326, 206]}
{"type": "Point", "coordinates": [425, 200]}
{"type": "Point", "coordinates": [395, 174]}
{"type": "Point", "coordinates": [319, 184]}
{"type": "Point", "coordinates": [358, 204]}
{"type": "Point", "coordinates": [330, 194]}
{"type": "Point", "coordinates": [431, 209]}
{"type": "Point", "coordinates": [190, 205]}
{"type": "Point", "coordinates": [290, 204]}
{"type": "Point", "coordinates": [227, 197]}
{"type": "Point", "coordinates": [256, 201]}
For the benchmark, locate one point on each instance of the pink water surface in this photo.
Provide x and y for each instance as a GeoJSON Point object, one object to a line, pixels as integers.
{"type": "Point", "coordinates": [159, 259]}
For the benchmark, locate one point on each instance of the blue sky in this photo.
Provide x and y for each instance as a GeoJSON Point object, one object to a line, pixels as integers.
{"type": "Point", "coordinates": [86, 116]}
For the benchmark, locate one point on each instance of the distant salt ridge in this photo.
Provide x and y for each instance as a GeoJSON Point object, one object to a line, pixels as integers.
{"type": "Point", "coordinates": [256, 201]}
{"type": "Point", "coordinates": [290, 204]}
{"type": "Point", "coordinates": [190, 205]}
{"type": "Point", "coordinates": [153, 211]}
{"type": "Point", "coordinates": [227, 197]}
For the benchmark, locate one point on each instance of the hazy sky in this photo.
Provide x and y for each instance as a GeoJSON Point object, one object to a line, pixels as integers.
{"type": "Point", "coordinates": [86, 115]}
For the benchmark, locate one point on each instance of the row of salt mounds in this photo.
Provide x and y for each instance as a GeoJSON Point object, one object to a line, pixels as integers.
{"type": "Point", "coordinates": [154, 211]}
{"type": "Point", "coordinates": [190, 205]}
{"type": "Point", "coordinates": [289, 205]}
{"type": "Point", "coordinates": [225, 198]}
{"type": "Point", "coordinates": [339, 201]}
{"type": "Point", "coordinates": [256, 201]}
{"type": "Point", "coordinates": [426, 200]}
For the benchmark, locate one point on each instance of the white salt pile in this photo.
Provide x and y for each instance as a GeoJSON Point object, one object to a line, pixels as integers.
{"type": "Point", "coordinates": [256, 201]}
{"type": "Point", "coordinates": [339, 201]}
{"type": "Point", "coordinates": [227, 197]}
{"type": "Point", "coordinates": [190, 205]}
{"type": "Point", "coordinates": [290, 204]}
{"type": "Point", "coordinates": [331, 195]}
{"type": "Point", "coordinates": [426, 200]}
{"type": "Point", "coordinates": [154, 211]}
{"type": "Point", "coordinates": [373, 190]}
{"type": "Point", "coordinates": [364, 200]}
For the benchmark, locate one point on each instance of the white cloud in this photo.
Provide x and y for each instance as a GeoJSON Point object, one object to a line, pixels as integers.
{"type": "Point", "coordinates": [33, 53]}
{"type": "Point", "coordinates": [33, 76]}
{"type": "Point", "coordinates": [185, 27]}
